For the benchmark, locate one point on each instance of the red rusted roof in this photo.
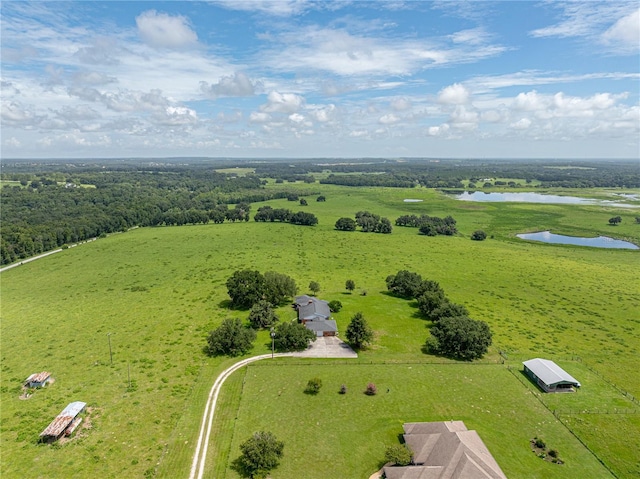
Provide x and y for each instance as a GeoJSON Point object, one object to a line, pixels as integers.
{"type": "Point", "coordinates": [57, 426]}
{"type": "Point", "coordinates": [38, 377]}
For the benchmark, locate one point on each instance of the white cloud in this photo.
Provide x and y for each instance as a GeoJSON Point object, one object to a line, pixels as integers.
{"type": "Point", "coordinates": [176, 115]}
{"type": "Point", "coordinates": [624, 35]}
{"type": "Point", "coordinates": [438, 130]}
{"type": "Point", "coordinates": [160, 30]}
{"type": "Point", "coordinates": [530, 101]}
{"type": "Point", "coordinates": [455, 94]}
{"type": "Point", "coordinates": [358, 133]}
{"type": "Point", "coordinates": [279, 8]}
{"type": "Point", "coordinates": [282, 103]}
{"type": "Point", "coordinates": [78, 113]}
{"type": "Point", "coordinates": [296, 118]}
{"type": "Point", "coordinates": [400, 104]}
{"type": "Point", "coordinates": [259, 117]}
{"type": "Point", "coordinates": [92, 78]}
{"type": "Point", "coordinates": [324, 114]}
{"type": "Point", "coordinates": [237, 84]}
{"type": "Point", "coordinates": [521, 124]}
{"type": "Point", "coordinates": [388, 119]}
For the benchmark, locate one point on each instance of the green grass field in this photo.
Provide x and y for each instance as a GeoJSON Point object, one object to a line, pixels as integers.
{"type": "Point", "coordinates": [158, 291]}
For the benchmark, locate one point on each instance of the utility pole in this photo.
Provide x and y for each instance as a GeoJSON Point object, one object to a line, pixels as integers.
{"type": "Point", "coordinates": [110, 353]}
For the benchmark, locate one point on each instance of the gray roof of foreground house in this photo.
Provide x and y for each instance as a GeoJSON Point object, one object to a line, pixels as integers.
{"type": "Point", "coordinates": [549, 372]}
{"type": "Point", "coordinates": [322, 325]}
{"type": "Point", "coordinates": [445, 450]}
{"type": "Point", "coordinates": [312, 309]}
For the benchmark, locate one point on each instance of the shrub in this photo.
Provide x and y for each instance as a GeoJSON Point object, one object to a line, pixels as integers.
{"type": "Point", "coordinates": [399, 455]}
{"type": "Point", "coordinates": [343, 389]}
{"type": "Point", "coordinates": [553, 453]}
{"type": "Point", "coordinates": [539, 443]}
{"type": "Point", "coordinates": [335, 305]}
{"type": "Point", "coordinates": [371, 390]}
{"type": "Point", "coordinates": [313, 386]}
{"type": "Point", "coordinates": [479, 235]}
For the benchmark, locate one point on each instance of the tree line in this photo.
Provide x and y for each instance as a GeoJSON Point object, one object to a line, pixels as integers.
{"type": "Point", "coordinates": [429, 225]}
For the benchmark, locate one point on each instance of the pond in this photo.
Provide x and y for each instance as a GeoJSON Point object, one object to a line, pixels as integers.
{"type": "Point", "coordinates": [528, 197]}
{"type": "Point", "coordinates": [599, 242]}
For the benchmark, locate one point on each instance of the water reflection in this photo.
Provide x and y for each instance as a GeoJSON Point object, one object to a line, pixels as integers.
{"type": "Point", "coordinates": [599, 242]}
{"type": "Point", "coordinates": [528, 197]}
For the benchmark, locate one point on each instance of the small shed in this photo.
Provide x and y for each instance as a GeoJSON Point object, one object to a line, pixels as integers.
{"type": "Point", "coordinates": [64, 423]}
{"type": "Point", "coordinates": [38, 380]}
{"type": "Point", "coordinates": [549, 376]}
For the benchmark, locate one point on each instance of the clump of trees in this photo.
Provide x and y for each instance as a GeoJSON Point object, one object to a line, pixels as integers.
{"type": "Point", "coordinates": [460, 337]}
{"type": "Point", "coordinates": [429, 225]}
{"type": "Point", "coordinates": [231, 338]}
{"type": "Point", "coordinates": [247, 287]}
{"type": "Point", "coordinates": [284, 215]}
{"type": "Point", "coordinates": [292, 336]}
{"type": "Point", "coordinates": [454, 334]}
{"type": "Point", "coordinates": [615, 221]}
{"type": "Point", "coordinates": [372, 223]}
{"type": "Point", "coordinates": [260, 454]}
{"type": "Point", "coordinates": [359, 333]}
{"type": "Point", "coordinates": [262, 315]}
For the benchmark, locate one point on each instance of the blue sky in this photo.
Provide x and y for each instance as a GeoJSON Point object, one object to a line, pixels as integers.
{"type": "Point", "coordinates": [300, 79]}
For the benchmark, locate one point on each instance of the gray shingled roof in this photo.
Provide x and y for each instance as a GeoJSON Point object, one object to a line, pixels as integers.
{"type": "Point", "coordinates": [322, 325]}
{"type": "Point", "coordinates": [445, 450]}
{"type": "Point", "coordinates": [310, 308]}
{"type": "Point", "coordinates": [549, 372]}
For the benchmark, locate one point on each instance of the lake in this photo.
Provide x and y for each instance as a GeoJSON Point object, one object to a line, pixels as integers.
{"type": "Point", "coordinates": [599, 242]}
{"type": "Point", "coordinates": [528, 197]}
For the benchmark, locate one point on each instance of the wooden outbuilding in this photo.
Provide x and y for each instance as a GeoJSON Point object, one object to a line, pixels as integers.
{"type": "Point", "coordinates": [65, 423]}
{"type": "Point", "coordinates": [38, 380]}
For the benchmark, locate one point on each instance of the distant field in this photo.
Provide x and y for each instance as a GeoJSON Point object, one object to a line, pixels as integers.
{"type": "Point", "coordinates": [158, 291]}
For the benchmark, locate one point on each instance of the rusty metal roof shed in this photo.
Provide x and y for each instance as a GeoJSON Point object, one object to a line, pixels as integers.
{"type": "Point", "coordinates": [62, 421]}
{"type": "Point", "coordinates": [38, 377]}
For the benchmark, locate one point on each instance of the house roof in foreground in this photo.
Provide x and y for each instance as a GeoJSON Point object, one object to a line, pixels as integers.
{"type": "Point", "coordinates": [549, 372]}
{"type": "Point", "coordinates": [322, 325]}
{"type": "Point", "coordinates": [445, 450]}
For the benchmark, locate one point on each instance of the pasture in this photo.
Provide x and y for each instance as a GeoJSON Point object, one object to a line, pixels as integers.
{"type": "Point", "coordinates": [158, 291]}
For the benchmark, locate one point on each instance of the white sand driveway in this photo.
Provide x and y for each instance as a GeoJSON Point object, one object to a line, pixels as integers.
{"type": "Point", "coordinates": [327, 347]}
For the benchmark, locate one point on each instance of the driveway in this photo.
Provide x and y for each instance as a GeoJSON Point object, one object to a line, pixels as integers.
{"type": "Point", "coordinates": [327, 347]}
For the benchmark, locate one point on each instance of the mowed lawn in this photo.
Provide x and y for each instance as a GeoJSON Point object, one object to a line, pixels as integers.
{"type": "Point", "coordinates": [335, 435]}
{"type": "Point", "coordinates": [158, 291]}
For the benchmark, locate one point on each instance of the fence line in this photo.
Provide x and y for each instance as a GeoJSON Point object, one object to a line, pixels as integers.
{"type": "Point", "coordinates": [557, 416]}
{"type": "Point", "coordinates": [350, 362]}
{"type": "Point", "coordinates": [625, 393]}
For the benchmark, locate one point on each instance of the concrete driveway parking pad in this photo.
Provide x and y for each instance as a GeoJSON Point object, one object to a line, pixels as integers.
{"type": "Point", "coordinates": [327, 347]}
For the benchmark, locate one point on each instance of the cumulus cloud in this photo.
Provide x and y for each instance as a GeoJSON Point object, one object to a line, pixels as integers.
{"type": "Point", "coordinates": [280, 8]}
{"type": "Point", "coordinates": [388, 119]}
{"type": "Point", "coordinates": [521, 124]}
{"type": "Point", "coordinates": [438, 130]}
{"type": "Point", "coordinates": [625, 33]}
{"type": "Point", "coordinates": [15, 113]}
{"type": "Point", "coordinates": [78, 113]}
{"type": "Point", "coordinates": [92, 78]}
{"type": "Point", "coordinates": [176, 115]}
{"type": "Point", "coordinates": [282, 103]}
{"type": "Point", "coordinates": [455, 94]}
{"type": "Point", "coordinates": [324, 114]}
{"type": "Point", "coordinates": [160, 30]}
{"type": "Point", "coordinates": [237, 84]}
{"type": "Point", "coordinates": [103, 51]}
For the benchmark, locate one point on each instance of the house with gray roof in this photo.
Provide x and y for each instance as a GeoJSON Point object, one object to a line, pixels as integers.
{"type": "Point", "coordinates": [445, 450]}
{"type": "Point", "coordinates": [549, 376]}
{"type": "Point", "coordinates": [315, 314]}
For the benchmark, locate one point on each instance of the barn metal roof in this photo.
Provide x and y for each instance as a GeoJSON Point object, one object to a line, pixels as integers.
{"type": "Point", "coordinates": [38, 377]}
{"type": "Point", "coordinates": [549, 372]}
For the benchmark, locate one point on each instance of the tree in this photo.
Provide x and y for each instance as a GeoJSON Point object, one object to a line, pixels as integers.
{"type": "Point", "coordinates": [278, 287]}
{"type": "Point", "coordinates": [302, 218]}
{"type": "Point", "coordinates": [430, 301]}
{"type": "Point", "coordinates": [358, 331]}
{"type": "Point", "coordinates": [479, 235]}
{"type": "Point", "coordinates": [398, 454]}
{"type": "Point", "coordinates": [346, 224]}
{"type": "Point", "coordinates": [314, 287]}
{"type": "Point", "coordinates": [260, 454]}
{"type": "Point", "coordinates": [350, 285]}
{"type": "Point", "coordinates": [231, 338]}
{"type": "Point", "coordinates": [292, 336]}
{"type": "Point", "coordinates": [321, 198]}
{"type": "Point", "coordinates": [448, 310]}
{"type": "Point", "coordinates": [615, 220]}
{"type": "Point", "coordinates": [404, 284]}
{"type": "Point", "coordinates": [637, 219]}
{"type": "Point", "coordinates": [303, 202]}
{"type": "Point", "coordinates": [245, 288]}
{"type": "Point", "coordinates": [335, 306]}
{"type": "Point", "coordinates": [460, 338]}
{"type": "Point", "coordinates": [313, 386]}
{"type": "Point", "coordinates": [371, 390]}
{"type": "Point", "coordinates": [384, 226]}
{"type": "Point", "coordinates": [262, 315]}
